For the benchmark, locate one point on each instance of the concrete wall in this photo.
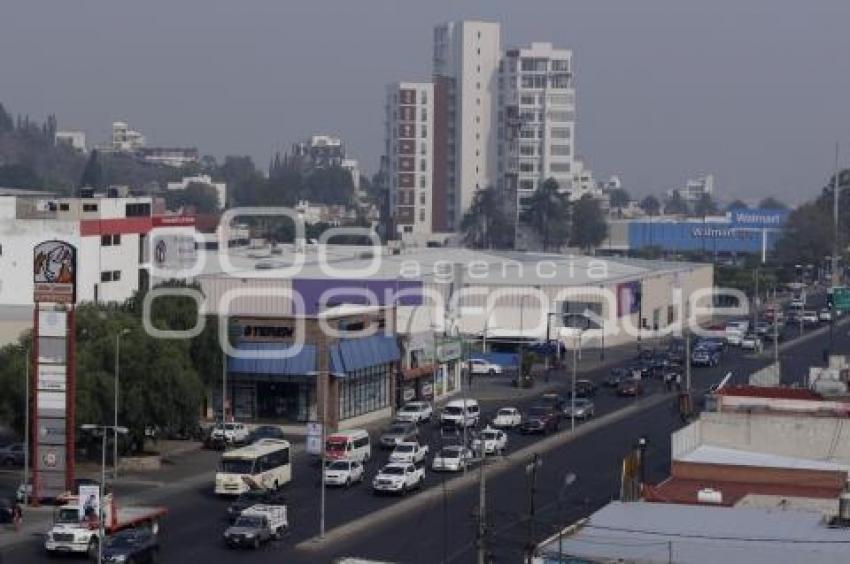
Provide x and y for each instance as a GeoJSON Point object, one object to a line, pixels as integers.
{"type": "Point", "coordinates": [712, 473]}
{"type": "Point", "coordinates": [817, 438]}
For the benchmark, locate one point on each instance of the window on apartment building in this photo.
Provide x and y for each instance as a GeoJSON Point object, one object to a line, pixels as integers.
{"type": "Point", "coordinates": [526, 185]}
{"type": "Point", "coordinates": [423, 115]}
{"type": "Point", "coordinates": [89, 207]}
{"type": "Point", "coordinates": [560, 150]}
{"type": "Point", "coordinates": [423, 96]}
{"type": "Point", "coordinates": [478, 68]}
{"type": "Point", "coordinates": [478, 101]}
{"type": "Point", "coordinates": [561, 99]}
{"type": "Point", "coordinates": [110, 240]}
{"type": "Point", "coordinates": [561, 116]}
{"type": "Point", "coordinates": [64, 207]}
{"type": "Point", "coordinates": [527, 99]}
{"type": "Point", "coordinates": [422, 198]}
{"type": "Point", "coordinates": [424, 131]}
{"type": "Point", "coordinates": [559, 81]}
{"type": "Point", "coordinates": [559, 167]}
{"type": "Point", "coordinates": [423, 165]}
{"type": "Point", "coordinates": [561, 133]}
{"type": "Point", "coordinates": [527, 149]}
{"type": "Point", "coordinates": [421, 215]}
{"type": "Point", "coordinates": [479, 50]}
{"type": "Point", "coordinates": [561, 65]}
{"type": "Point", "coordinates": [478, 86]}
{"type": "Point", "coordinates": [533, 81]}
{"type": "Point", "coordinates": [527, 133]}
{"type": "Point", "coordinates": [526, 166]}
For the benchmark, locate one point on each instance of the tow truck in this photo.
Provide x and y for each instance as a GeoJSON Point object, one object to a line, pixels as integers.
{"type": "Point", "coordinates": [74, 533]}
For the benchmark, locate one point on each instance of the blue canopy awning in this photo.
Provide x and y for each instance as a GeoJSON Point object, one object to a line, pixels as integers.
{"type": "Point", "coordinates": [355, 354]}
{"type": "Point", "coordinates": [269, 359]}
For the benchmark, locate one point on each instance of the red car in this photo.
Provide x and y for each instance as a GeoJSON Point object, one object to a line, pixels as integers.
{"type": "Point", "coordinates": [630, 388]}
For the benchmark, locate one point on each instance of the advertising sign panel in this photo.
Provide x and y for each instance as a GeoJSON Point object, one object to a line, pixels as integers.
{"type": "Point", "coordinates": [89, 502]}
{"type": "Point", "coordinates": [52, 323]}
{"type": "Point", "coordinates": [628, 298]}
{"type": "Point", "coordinates": [55, 272]}
{"type": "Point", "coordinates": [52, 377]}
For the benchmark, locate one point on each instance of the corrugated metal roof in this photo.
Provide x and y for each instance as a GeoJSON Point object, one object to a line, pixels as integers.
{"type": "Point", "coordinates": [356, 354]}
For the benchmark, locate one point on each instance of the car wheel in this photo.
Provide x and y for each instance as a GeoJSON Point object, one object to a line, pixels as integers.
{"type": "Point", "coordinates": [276, 485]}
{"type": "Point", "coordinates": [492, 372]}
{"type": "Point", "coordinates": [348, 482]}
{"type": "Point", "coordinates": [92, 548]}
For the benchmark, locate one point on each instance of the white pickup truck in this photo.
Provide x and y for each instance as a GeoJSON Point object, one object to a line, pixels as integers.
{"type": "Point", "coordinates": [409, 452]}
{"type": "Point", "coordinates": [231, 433]}
{"type": "Point", "coordinates": [73, 533]}
{"type": "Point", "coordinates": [257, 525]}
{"type": "Point", "coordinates": [399, 477]}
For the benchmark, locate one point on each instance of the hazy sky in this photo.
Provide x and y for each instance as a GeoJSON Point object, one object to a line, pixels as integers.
{"type": "Point", "coordinates": [755, 91]}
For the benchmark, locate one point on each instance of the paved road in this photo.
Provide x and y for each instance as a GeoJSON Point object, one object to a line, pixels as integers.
{"type": "Point", "coordinates": [445, 531]}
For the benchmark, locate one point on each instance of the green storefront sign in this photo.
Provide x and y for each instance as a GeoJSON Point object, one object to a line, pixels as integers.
{"type": "Point", "coordinates": [841, 298]}
{"type": "Point", "coordinates": [449, 350]}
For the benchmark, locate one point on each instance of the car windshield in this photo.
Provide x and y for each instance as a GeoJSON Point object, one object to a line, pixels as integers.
{"type": "Point", "coordinates": [68, 516]}
{"type": "Point", "coordinates": [236, 466]}
{"type": "Point", "coordinates": [489, 435]}
{"type": "Point", "coordinates": [581, 402]}
{"type": "Point", "coordinates": [538, 411]}
{"type": "Point", "coordinates": [335, 445]}
{"type": "Point", "coordinates": [397, 430]}
{"type": "Point", "coordinates": [405, 448]}
{"type": "Point", "coordinates": [393, 470]}
{"type": "Point", "coordinates": [249, 521]}
{"type": "Point", "coordinates": [453, 410]}
{"type": "Point", "coordinates": [229, 426]}
{"type": "Point", "coordinates": [409, 408]}
{"type": "Point", "coordinates": [338, 465]}
{"type": "Point", "coordinates": [505, 412]}
{"type": "Point", "coordinates": [250, 496]}
{"type": "Point", "coordinates": [450, 452]}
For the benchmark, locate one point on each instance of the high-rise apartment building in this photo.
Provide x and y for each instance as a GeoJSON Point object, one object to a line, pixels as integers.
{"type": "Point", "coordinates": [409, 150]}
{"type": "Point", "coordinates": [466, 64]}
{"type": "Point", "coordinates": [537, 114]}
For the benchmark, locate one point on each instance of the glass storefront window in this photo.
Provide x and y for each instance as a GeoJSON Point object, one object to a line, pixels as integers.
{"type": "Point", "coordinates": [364, 391]}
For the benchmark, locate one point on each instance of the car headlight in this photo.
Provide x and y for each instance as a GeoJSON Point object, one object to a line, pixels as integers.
{"type": "Point", "coordinates": [249, 535]}
{"type": "Point", "coordinates": [119, 558]}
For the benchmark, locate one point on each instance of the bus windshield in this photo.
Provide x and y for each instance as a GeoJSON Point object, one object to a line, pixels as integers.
{"type": "Point", "coordinates": [236, 466]}
{"type": "Point", "coordinates": [336, 445]}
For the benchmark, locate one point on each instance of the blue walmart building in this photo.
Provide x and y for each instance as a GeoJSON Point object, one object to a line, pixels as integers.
{"type": "Point", "coordinates": [741, 231]}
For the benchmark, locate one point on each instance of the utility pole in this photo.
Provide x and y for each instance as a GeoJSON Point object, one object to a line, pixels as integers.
{"type": "Point", "coordinates": [776, 336]}
{"type": "Point", "coordinates": [482, 508]}
{"type": "Point", "coordinates": [531, 469]}
{"type": "Point", "coordinates": [26, 426]}
{"type": "Point", "coordinates": [835, 245]}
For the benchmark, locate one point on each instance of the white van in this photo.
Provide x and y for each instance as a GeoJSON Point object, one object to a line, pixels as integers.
{"type": "Point", "coordinates": [353, 444]}
{"type": "Point", "coordinates": [461, 412]}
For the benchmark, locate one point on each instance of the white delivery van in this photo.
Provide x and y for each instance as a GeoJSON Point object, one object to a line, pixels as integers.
{"type": "Point", "coordinates": [353, 444]}
{"type": "Point", "coordinates": [461, 412]}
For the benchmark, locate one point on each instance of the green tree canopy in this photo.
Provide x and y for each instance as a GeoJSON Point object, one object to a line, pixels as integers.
{"type": "Point", "coordinates": [705, 206]}
{"type": "Point", "coordinates": [737, 205]}
{"type": "Point", "coordinates": [548, 213]}
{"type": "Point", "coordinates": [201, 197]}
{"type": "Point", "coordinates": [650, 205]}
{"type": "Point", "coordinates": [771, 203]}
{"type": "Point", "coordinates": [486, 225]}
{"type": "Point", "coordinates": [675, 204]}
{"type": "Point", "coordinates": [619, 198]}
{"type": "Point", "coordinates": [19, 176]}
{"type": "Point", "coordinates": [93, 173]}
{"type": "Point", "coordinates": [588, 227]}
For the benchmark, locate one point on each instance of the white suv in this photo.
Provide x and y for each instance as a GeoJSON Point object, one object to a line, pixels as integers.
{"type": "Point", "coordinates": [481, 366]}
{"type": "Point", "coordinates": [462, 412]}
{"type": "Point", "coordinates": [415, 412]}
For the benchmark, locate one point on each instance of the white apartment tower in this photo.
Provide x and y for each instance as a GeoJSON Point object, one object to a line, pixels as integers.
{"type": "Point", "coordinates": [409, 150]}
{"type": "Point", "coordinates": [466, 64]}
{"type": "Point", "coordinates": [537, 115]}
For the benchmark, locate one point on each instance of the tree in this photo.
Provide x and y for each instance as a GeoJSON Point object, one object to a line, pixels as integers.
{"type": "Point", "coordinates": [675, 204]}
{"type": "Point", "coordinates": [705, 206]}
{"type": "Point", "coordinates": [588, 227]}
{"type": "Point", "coordinates": [619, 198]}
{"type": "Point", "coordinates": [93, 174]}
{"type": "Point", "coordinates": [485, 225]}
{"type": "Point", "coordinates": [737, 205]}
{"type": "Point", "coordinates": [6, 121]}
{"type": "Point", "coordinates": [548, 213]}
{"type": "Point", "coordinates": [201, 197]}
{"type": "Point", "coordinates": [807, 237]}
{"type": "Point", "coordinates": [650, 205]}
{"type": "Point", "coordinates": [771, 203]}
{"type": "Point", "coordinates": [19, 176]}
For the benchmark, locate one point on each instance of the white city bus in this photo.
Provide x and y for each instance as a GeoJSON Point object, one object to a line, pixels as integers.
{"type": "Point", "coordinates": [265, 463]}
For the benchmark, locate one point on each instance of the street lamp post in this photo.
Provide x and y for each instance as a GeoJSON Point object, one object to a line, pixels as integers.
{"type": "Point", "coordinates": [104, 431]}
{"type": "Point", "coordinates": [531, 469]}
{"type": "Point", "coordinates": [569, 480]}
{"type": "Point", "coordinates": [26, 424]}
{"type": "Point", "coordinates": [115, 408]}
{"type": "Point", "coordinates": [576, 348]}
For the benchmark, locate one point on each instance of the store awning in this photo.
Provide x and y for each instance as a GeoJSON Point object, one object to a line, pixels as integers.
{"type": "Point", "coordinates": [274, 358]}
{"type": "Point", "coordinates": [355, 354]}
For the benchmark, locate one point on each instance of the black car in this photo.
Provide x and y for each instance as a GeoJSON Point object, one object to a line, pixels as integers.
{"type": "Point", "coordinates": [131, 545]}
{"type": "Point", "coordinates": [555, 401]}
{"type": "Point", "coordinates": [585, 389]}
{"type": "Point", "coordinates": [616, 376]}
{"type": "Point", "coordinates": [266, 432]}
{"type": "Point", "coordinates": [7, 505]}
{"type": "Point", "coordinates": [541, 419]}
{"type": "Point", "coordinates": [253, 497]}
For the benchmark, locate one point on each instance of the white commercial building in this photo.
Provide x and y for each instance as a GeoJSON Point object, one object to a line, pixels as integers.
{"type": "Point", "coordinates": [696, 188]}
{"type": "Point", "coordinates": [112, 237]}
{"type": "Point", "coordinates": [537, 118]}
{"type": "Point", "coordinates": [219, 187]}
{"type": "Point", "coordinates": [73, 138]}
{"type": "Point", "coordinates": [124, 139]}
{"type": "Point", "coordinates": [409, 147]}
{"type": "Point", "coordinates": [466, 65]}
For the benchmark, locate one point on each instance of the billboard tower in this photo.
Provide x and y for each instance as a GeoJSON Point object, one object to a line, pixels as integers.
{"type": "Point", "coordinates": [53, 377]}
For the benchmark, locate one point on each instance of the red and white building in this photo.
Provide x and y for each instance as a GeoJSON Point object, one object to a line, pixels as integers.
{"type": "Point", "coordinates": [114, 238]}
